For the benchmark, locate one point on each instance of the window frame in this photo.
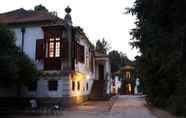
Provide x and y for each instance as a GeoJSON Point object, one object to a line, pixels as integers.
{"type": "Point", "coordinates": [73, 85]}
{"type": "Point", "coordinates": [80, 53]}
{"type": "Point", "coordinates": [55, 41]}
{"type": "Point", "coordinates": [52, 85]}
{"type": "Point", "coordinates": [78, 85]}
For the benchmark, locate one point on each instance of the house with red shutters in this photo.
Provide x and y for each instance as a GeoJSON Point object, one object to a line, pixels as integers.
{"type": "Point", "coordinates": [71, 69]}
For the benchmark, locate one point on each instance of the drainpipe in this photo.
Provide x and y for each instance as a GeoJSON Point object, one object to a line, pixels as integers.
{"type": "Point", "coordinates": [22, 49]}
{"type": "Point", "coordinates": [23, 39]}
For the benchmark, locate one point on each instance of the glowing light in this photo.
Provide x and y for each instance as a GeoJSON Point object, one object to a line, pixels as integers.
{"type": "Point", "coordinates": [77, 76]}
{"type": "Point", "coordinates": [88, 77]}
{"type": "Point", "coordinates": [129, 87]}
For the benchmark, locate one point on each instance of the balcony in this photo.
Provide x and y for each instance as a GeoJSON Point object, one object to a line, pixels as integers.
{"type": "Point", "coordinates": [52, 64]}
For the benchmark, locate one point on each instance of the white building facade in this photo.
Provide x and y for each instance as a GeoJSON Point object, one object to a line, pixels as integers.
{"type": "Point", "coordinates": [62, 53]}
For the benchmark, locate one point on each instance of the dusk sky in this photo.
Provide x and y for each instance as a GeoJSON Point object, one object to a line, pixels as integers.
{"type": "Point", "coordinates": [99, 18]}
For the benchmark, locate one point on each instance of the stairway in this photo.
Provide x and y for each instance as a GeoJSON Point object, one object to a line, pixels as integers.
{"type": "Point", "coordinates": [98, 90]}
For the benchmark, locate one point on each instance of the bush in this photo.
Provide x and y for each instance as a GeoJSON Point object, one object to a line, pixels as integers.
{"type": "Point", "coordinates": [15, 66]}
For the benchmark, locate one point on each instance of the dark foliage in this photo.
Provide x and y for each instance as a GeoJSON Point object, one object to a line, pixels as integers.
{"type": "Point", "coordinates": [15, 66]}
{"type": "Point", "coordinates": [117, 60]}
{"type": "Point", "coordinates": [40, 8]}
{"type": "Point", "coordinates": [102, 46]}
{"type": "Point", "coordinates": [160, 35]}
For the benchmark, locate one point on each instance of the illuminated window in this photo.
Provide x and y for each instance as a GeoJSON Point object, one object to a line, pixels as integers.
{"type": "Point", "coordinates": [54, 47]}
{"type": "Point", "coordinates": [51, 49]}
{"type": "Point", "coordinates": [73, 85]}
{"type": "Point", "coordinates": [57, 54]}
{"type": "Point", "coordinates": [57, 39]}
{"type": "Point", "coordinates": [51, 39]}
{"type": "Point", "coordinates": [78, 85]}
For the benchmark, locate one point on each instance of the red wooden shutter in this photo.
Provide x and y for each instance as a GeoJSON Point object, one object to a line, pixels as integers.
{"type": "Point", "coordinates": [39, 49]}
{"type": "Point", "coordinates": [82, 54]}
{"type": "Point", "coordinates": [78, 52]}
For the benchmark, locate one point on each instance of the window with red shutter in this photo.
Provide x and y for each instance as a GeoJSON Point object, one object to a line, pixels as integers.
{"type": "Point", "coordinates": [80, 53]}
{"type": "Point", "coordinates": [39, 49]}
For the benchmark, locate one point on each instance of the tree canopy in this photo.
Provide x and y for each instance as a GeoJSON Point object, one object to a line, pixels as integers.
{"type": "Point", "coordinates": [160, 35]}
{"type": "Point", "coordinates": [40, 8]}
{"type": "Point", "coordinates": [15, 66]}
{"type": "Point", "coordinates": [117, 60]}
{"type": "Point", "coordinates": [102, 46]}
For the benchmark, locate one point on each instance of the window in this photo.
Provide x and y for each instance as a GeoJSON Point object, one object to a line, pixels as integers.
{"type": "Point", "coordinates": [87, 86]}
{"type": "Point", "coordinates": [32, 86]}
{"type": "Point", "coordinates": [78, 85]}
{"type": "Point", "coordinates": [73, 85]}
{"type": "Point", "coordinates": [80, 53]}
{"type": "Point", "coordinates": [52, 85]}
{"type": "Point", "coordinates": [54, 47]}
{"type": "Point", "coordinates": [51, 49]}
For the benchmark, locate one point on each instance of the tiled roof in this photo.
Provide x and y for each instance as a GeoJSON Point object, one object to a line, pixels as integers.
{"type": "Point", "coordinates": [98, 54]}
{"type": "Point", "coordinates": [27, 16]}
{"type": "Point", "coordinates": [128, 67]}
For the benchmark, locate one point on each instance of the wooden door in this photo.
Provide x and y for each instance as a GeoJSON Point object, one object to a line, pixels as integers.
{"type": "Point", "coordinates": [101, 72]}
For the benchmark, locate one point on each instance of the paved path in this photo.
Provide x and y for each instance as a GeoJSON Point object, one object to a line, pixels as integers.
{"type": "Point", "coordinates": [130, 107]}
{"type": "Point", "coordinates": [123, 107]}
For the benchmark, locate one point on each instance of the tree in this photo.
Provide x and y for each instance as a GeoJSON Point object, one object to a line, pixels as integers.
{"type": "Point", "coordinates": [102, 46]}
{"type": "Point", "coordinates": [160, 36]}
{"type": "Point", "coordinates": [115, 60]}
{"type": "Point", "coordinates": [118, 60]}
{"type": "Point", "coordinates": [40, 8]}
{"type": "Point", "coordinates": [15, 66]}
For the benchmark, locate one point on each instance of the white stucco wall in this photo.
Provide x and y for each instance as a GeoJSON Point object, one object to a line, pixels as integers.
{"type": "Point", "coordinates": [32, 33]}
{"type": "Point", "coordinates": [43, 91]}
{"type": "Point", "coordinates": [83, 90]}
{"type": "Point", "coordinates": [117, 84]}
{"type": "Point", "coordinates": [64, 88]}
{"type": "Point", "coordinates": [108, 75]}
{"type": "Point", "coordinates": [84, 67]}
